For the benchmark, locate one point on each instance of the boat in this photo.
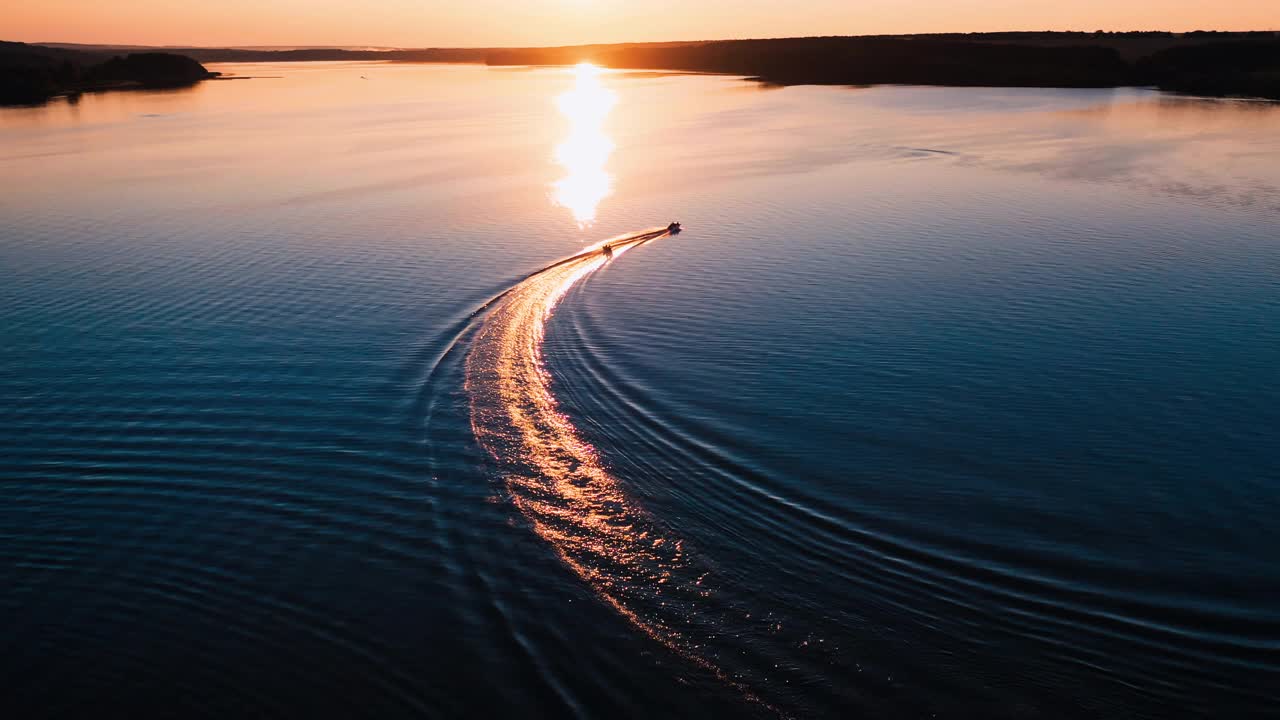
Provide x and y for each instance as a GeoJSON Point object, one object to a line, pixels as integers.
{"type": "Point", "coordinates": [608, 250]}
{"type": "Point", "coordinates": [673, 228]}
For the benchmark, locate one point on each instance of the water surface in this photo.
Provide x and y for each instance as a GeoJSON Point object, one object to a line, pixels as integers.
{"type": "Point", "coordinates": [952, 401]}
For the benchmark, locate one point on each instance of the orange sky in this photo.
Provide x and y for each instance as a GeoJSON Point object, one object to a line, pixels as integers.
{"type": "Point", "coordinates": [420, 23]}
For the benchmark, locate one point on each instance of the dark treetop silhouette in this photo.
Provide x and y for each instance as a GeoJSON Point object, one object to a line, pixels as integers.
{"type": "Point", "coordinates": [33, 73]}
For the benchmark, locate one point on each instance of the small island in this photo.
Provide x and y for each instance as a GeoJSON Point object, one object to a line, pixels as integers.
{"type": "Point", "coordinates": [32, 74]}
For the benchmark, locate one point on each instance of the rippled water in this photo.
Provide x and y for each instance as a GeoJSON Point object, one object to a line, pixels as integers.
{"type": "Point", "coordinates": [953, 402]}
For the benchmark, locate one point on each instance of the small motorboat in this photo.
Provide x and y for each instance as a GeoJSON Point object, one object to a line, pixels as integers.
{"type": "Point", "coordinates": [673, 228]}
{"type": "Point", "coordinates": [607, 250]}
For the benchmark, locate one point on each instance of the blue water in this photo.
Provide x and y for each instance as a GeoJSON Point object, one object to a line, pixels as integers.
{"type": "Point", "coordinates": [947, 402]}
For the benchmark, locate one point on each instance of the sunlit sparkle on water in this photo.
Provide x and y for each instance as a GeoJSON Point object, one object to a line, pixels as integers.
{"type": "Point", "coordinates": [587, 148]}
{"type": "Point", "coordinates": [556, 480]}
{"type": "Point", "coordinates": [553, 475]}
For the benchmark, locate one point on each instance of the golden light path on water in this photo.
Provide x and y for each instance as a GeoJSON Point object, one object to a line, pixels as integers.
{"type": "Point", "coordinates": [585, 151]}
{"type": "Point", "coordinates": [556, 480]}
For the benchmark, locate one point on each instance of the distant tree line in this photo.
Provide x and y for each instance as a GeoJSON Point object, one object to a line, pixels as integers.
{"type": "Point", "coordinates": [33, 74]}
{"type": "Point", "coordinates": [1202, 62]}
{"type": "Point", "coordinates": [1218, 68]}
{"type": "Point", "coordinates": [859, 61]}
{"type": "Point", "coordinates": [1241, 64]}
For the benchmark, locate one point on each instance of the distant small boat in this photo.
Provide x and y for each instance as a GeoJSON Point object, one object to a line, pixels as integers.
{"type": "Point", "coordinates": [673, 228]}
{"type": "Point", "coordinates": [608, 251]}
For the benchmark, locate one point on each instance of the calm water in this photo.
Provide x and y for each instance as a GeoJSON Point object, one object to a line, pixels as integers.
{"type": "Point", "coordinates": [948, 402]}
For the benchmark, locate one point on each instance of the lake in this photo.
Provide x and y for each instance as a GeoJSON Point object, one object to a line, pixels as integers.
{"type": "Point", "coordinates": [947, 402]}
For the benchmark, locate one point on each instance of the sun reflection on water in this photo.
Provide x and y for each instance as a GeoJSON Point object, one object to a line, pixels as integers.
{"type": "Point", "coordinates": [587, 148]}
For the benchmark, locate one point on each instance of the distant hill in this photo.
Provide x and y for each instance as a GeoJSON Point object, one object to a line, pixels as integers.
{"type": "Point", "coordinates": [34, 73]}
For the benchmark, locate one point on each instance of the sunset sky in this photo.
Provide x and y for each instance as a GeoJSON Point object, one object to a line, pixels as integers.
{"type": "Point", "coordinates": [420, 23]}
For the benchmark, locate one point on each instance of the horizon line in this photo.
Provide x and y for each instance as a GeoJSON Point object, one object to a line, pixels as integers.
{"type": "Point", "coordinates": [374, 47]}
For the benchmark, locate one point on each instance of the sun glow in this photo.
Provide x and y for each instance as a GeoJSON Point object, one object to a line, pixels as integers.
{"type": "Point", "coordinates": [584, 153]}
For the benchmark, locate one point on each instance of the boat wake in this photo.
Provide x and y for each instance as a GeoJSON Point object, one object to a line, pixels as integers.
{"type": "Point", "coordinates": [559, 484]}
